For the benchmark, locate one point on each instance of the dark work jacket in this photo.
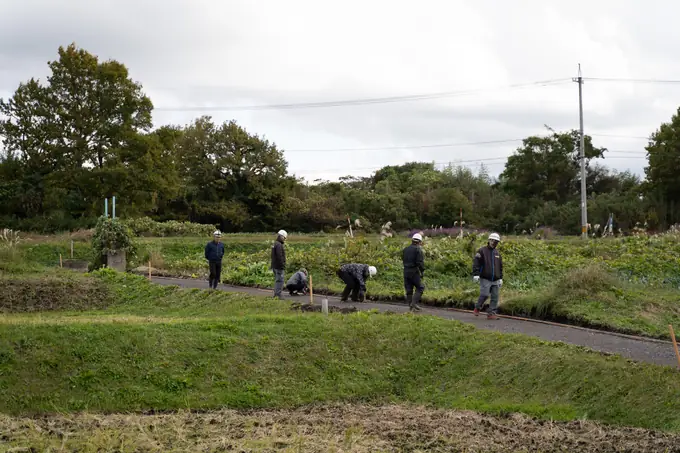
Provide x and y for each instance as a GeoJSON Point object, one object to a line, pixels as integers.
{"type": "Point", "coordinates": [414, 259]}
{"type": "Point", "coordinates": [278, 255]}
{"type": "Point", "coordinates": [488, 264]}
{"type": "Point", "coordinates": [358, 271]}
{"type": "Point", "coordinates": [214, 251]}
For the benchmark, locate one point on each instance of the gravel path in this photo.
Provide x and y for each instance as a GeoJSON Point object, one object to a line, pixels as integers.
{"type": "Point", "coordinates": [634, 348]}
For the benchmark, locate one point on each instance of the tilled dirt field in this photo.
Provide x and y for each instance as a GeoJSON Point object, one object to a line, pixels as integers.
{"type": "Point", "coordinates": [340, 428]}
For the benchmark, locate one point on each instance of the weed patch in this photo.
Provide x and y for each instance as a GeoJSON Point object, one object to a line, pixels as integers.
{"type": "Point", "coordinates": [38, 293]}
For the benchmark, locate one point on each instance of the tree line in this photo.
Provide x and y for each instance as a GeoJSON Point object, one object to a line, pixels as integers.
{"type": "Point", "coordinates": [85, 134]}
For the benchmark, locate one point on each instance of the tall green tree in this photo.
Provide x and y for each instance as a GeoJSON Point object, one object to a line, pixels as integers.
{"type": "Point", "coordinates": [547, 168]}
{"type": "Point", "coordinates": [232, 177]}
{"type": "Point", "coordinates": [663, 171]}
{"type": "Point", "coordinates": [79, 136]}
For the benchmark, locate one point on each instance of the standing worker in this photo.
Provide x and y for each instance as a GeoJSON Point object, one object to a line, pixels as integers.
{"type": "Point", "coordinates": [354, 276]}
{"type": "Point", "coordinates": [487, 269]}
{"type": "Point", "coordinates": [414, 267]}
{"type": "Point", "coordinates": [214, 252]}
{"type": "Point", "coordinates": [279, 262]}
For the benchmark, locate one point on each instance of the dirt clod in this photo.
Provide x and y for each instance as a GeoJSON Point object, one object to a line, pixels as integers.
{"type": "Point", "coordinates": [339, 428]}
{"type": "Point", "coordinates": [317, 308]}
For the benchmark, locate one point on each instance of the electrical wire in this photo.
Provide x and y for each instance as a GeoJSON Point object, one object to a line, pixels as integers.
{"type": "Point", "coordinates": [479, 162]}
{"type": "Point", "coordinates": [363, 101]}
{"type": "Point", "coordinates": [627, 80]}
{"type": "Point", "coordinates": [619, 136]}
{"type": "Point", "coordinates": [386, 148]}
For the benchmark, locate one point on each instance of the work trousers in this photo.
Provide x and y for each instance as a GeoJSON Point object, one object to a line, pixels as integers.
{"type": "Point", "coordinates": [413, 281]}
{"type": "Point", "coordinates": [351, 286]}
{"type": "Point", "coordinates": [215, 273]}
{"type": "Point", "coordinates": [486, 288]}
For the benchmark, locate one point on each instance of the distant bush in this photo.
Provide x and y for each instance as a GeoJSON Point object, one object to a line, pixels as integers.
{"type": "Point", "coordinates": [145, 226]}
{"type": "Point", "coordinates": [111, 235]}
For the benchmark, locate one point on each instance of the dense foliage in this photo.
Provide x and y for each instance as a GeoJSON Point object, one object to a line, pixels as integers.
{"type": "Point", "coordinates": [85, 134]}
{"type": "Point", "coordinates": [111, 236]}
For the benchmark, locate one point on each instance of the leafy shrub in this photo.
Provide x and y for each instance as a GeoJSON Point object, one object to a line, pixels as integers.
{"type": "Point", "coordinates": [145, 226]}
{"type": "Point", "coordinates": [111, 236]}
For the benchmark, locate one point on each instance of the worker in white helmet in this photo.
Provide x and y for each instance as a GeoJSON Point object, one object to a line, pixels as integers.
{"type": "Point", "coordinates": [487, 269]}
{"type": "Point", "coordinates": [354, 276]}
{"type": "Point", "coordinates": [214, 252]}
{"type": "Point", "coordinates": [414, 267]}
{"type": "Point", "coordinates": [279, 262]}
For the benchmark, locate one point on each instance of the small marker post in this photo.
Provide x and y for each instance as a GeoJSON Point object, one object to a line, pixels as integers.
{"type": "Point", "coordinates": [675, 344]}
{"type": "Point", "coordinates": [311, 290]}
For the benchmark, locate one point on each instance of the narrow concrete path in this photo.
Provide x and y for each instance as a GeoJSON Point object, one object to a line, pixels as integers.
{"type": "Point", "coordinates": [634, 348]}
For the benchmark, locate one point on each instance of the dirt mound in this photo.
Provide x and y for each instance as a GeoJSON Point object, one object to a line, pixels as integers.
{"type": "Point", "coordinates": [326, 428]}
{"type": "Point", "coordinates": [31, 294]}
{"type": "Point", "coordinates": [316, 308]}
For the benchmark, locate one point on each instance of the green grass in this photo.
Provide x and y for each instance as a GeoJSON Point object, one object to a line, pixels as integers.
{"type": "Point", "coordinates": [643, 280]}
{"type": "Point", "coordinates": [164, 348]}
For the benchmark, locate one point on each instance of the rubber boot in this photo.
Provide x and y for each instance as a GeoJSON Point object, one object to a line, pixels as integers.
{"type": "Point", "coordinates": [416, 301]}
{"type": "Point", "coordinates": [409, 301]}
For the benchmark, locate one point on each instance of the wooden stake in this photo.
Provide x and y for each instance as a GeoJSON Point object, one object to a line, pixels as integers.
{"type": "Point", "coordinates": [149, 269]}
{"type": "Point", "coordinates": [675, 344]}
{"type": "Point", "coordinates": [61, 262]}
{"type": "Point", "coordinates": [311, 290]}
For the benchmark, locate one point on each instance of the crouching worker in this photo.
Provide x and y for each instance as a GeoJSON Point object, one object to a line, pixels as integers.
{"type": "Point", "coordinates": [297, 284]}
{"type": "Point", "coordinates": [487, 269]}
{"type": "Point", "coordinates": [354, 276]}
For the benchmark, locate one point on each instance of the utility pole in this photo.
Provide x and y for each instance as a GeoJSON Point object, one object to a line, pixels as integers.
{"type": "Point", "coordinates": [582, 154]}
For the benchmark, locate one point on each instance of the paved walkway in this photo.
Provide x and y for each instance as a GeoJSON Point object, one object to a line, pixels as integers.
{"type": "Point", "coordinates": [635, 348]}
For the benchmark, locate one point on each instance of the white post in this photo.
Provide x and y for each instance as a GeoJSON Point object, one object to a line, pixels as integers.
{"type": "Point", "coordinates": [324, 306]}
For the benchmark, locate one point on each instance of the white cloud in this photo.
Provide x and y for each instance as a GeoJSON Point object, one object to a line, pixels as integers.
{"type": "Point", "coordinates": [269, 52]}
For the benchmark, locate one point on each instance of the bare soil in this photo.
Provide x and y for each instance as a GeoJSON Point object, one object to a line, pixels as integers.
{"type": "Point", "coordinates": [338, 428]}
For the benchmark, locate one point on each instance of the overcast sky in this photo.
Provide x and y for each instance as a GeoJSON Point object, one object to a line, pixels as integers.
{"type": "Point", "coordinates": [231, 53]}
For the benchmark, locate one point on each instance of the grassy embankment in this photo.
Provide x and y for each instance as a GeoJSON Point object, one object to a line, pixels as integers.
{"type": "Point", "coordinates": [627, 285]}
{"type": "Point", "coordinates": [147, 347]}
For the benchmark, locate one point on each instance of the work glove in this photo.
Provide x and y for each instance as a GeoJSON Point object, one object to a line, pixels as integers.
{"type": "Point", "coordinates": [475, 279]}
{"type": "Point", "coordinates": [500, 282]}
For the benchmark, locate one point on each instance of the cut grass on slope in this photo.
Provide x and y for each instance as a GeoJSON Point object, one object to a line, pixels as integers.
{"type": "Point", "coordinates": [594, 297]}
{"type": "Point", "coordinates": [200, 350]}
{"type": "Point", "coordinates": [544, 279]}
{"type": "Point", "coordinates": [324, 429]}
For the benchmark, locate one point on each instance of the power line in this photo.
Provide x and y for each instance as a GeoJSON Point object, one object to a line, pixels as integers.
{"type": "Point", "coordinates": [381, 148]}
{"type": "Point", "coordinates": [619, 136]}
{"type": "Point", "coordinates": [364, 101]}
{"type": "Point", "coordinates": [479, 162]}
{"type": "Point", "coordinates": [626, 80]}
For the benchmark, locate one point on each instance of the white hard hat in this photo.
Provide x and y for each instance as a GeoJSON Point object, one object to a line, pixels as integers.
{"type": "Point", "coordinates": [494, 237]}
{"type": "Point", "coordinates": [417, 237]}
{"type": "Point", "coordinates": [283, 234]}
{"type": "Point", "coordinates": [372, 271]}
{"type": "Point", "coordinates": [217, 233]}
